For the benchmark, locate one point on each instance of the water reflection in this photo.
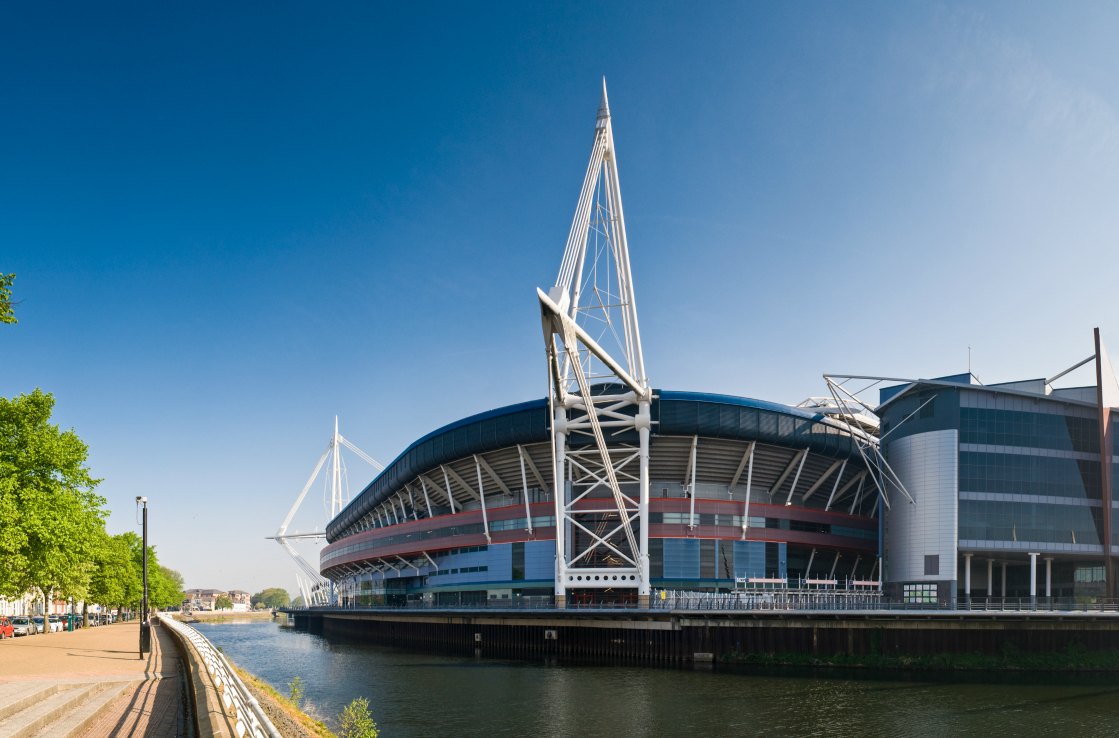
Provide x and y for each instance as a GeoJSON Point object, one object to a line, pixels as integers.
{"type": "Point", "coordinates": [415, 694]}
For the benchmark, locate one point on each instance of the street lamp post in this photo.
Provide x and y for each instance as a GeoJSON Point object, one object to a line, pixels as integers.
{"type": "Point", "coordinates": [145, 626]}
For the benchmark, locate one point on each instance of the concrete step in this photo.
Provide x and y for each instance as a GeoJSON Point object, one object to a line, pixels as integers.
{"type": "Point", "coordinates": [18, 696]}
{"type": "Point", "coordinates": [40, 713]}
{"type": "Point", "coordinates": [73, 723]}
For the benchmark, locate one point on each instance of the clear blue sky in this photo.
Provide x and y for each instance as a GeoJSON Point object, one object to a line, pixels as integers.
{"type": "Point", "coordinates": [230, 224]}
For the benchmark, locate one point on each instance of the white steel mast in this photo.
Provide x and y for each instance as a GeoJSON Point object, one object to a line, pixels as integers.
{"type": "Point", "coordinates": [598, 386]}
{"type": "Point", "coordinates": [314, 587]}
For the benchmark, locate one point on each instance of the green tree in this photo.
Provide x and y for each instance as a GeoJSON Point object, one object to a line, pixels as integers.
{"type": "Point", "coordinates": [298, 601]}
{"type": "Point", "coordinates": [271, 597]}
{"type": "Point", "coordinates": [165, 586]}
{"type": "Point", "coordinates": [116, 577]}
{"type": "Point", "coordinates": [53, 522]}
{"type": "Point", "coordinates": [223, 603]}
{"type": "Point", "coordinates": [356, 721]}
{"type": "Point", "coordinates": [6, 313]}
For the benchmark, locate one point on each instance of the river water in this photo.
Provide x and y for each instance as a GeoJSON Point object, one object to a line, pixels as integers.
{"type": "Point", "coordinates": [426, 695]}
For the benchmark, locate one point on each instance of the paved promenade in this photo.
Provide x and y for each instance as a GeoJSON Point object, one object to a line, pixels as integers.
{"type": "Point", "coordinates": [142, 697]}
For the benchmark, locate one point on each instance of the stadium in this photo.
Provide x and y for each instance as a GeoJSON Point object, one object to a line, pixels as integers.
{"type": "Point", "coordinates": [741, 490]}
{"type": "Point", "coordinates": [608, 491]}
{"type": "Point", "coordinates": [658, 490]}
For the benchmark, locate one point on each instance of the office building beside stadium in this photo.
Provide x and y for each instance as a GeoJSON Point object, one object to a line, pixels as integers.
{"type": "Point", "coordinates": [1016, 487]}
{"type": "Point", "coordinates": [740, 490]}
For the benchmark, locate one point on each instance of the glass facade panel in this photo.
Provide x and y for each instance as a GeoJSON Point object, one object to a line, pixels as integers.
{"type": "Point", "coordinates": [1031, 430]}
{"type": "Point", "coordinates": [986, 520]}
{"type": "Point", "coordinates": [1028, 475]}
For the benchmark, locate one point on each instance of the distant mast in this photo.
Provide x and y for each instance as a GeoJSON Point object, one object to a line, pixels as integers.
{"type": "Point", "coordinates": [315, 588]}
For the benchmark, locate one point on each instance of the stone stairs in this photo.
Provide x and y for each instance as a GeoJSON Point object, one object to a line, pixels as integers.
{"type": "Point", "coordinates": [54, 708]}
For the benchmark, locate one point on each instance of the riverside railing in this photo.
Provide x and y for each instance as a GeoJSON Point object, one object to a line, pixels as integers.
{"type": "Point", "coordinates": [235, 696]}
{"type": "Point", "coordinates": [768, 599]}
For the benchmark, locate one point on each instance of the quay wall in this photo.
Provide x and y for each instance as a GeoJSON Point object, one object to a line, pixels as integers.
{"type": "Point", "coordinates": [665, 637]}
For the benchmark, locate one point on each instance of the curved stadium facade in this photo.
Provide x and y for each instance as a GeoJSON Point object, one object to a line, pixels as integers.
{"type": "Point", "coordinates": [741, 492]}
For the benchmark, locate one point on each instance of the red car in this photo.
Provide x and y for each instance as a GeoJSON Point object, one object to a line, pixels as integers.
{"type": "Point", "coordinates": [6, 629]}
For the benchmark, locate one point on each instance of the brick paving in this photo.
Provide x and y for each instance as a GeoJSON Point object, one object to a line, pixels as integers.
{"type": "Point", "coordinates": [151, 707]}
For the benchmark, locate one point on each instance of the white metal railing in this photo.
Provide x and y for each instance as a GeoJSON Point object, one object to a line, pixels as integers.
{"type": "Point", "coordinates": [235, 696]}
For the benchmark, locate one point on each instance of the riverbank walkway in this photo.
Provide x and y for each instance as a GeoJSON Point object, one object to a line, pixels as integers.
{"type": "Point", "coordinates": [92, 682]}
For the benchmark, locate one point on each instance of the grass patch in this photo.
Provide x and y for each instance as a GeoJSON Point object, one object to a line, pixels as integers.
{"type": "Point", "coordinates": [289, 708]}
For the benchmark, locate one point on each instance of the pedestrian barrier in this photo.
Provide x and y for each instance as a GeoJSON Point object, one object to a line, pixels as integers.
{"type": "Point", "coordinates": [236, 699]}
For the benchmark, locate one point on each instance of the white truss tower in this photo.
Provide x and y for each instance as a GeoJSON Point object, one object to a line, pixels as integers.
{"type": "Point", "coordinates": [314, 587]}
{"type": "Point", "coordinates": [598, 387]}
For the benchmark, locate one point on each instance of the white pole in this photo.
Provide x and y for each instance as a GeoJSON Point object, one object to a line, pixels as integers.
{"type": "Point", "coordinates": [1048, 576]}
{"type": "Point", "coordinates": [967, 576]}
{"type": "Point", "coordinates": [560, 441]}
{"type": "Point", "coordinates": [1033, 576]}
{"type": "Point", "coordinates": [643, 422]}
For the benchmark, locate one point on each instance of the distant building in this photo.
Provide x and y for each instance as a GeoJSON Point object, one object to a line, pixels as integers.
{"type": "Point", "coordinates": [242, 601]}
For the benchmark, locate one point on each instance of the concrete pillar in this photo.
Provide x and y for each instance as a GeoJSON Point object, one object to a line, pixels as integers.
{"type": "Point", "coordinates": [990, 577]}
{"type": "Point", "coordinates": [967, 577]}
{"type": "Point", "coordinates": [1048, 576]}
{"type": "Point", "coordinates": [1004, 579]}
{"type": "Point", "coordinates": [1033, 577]}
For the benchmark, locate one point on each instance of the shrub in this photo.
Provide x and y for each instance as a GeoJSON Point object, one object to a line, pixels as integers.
{"type": "Point", "coordinates": [295, 690]}
{"type": "Point", "coordinates": [356, 721]}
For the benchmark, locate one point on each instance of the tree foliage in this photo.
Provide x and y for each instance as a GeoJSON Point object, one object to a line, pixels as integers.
{"type": "Point", "coordinates": [271, 597]}
{"type": "Point", "coordinates": [53, 521]}
{"type": "Point", "coordinates": [7, 315]}
{"type": "Point", "coordinates": [223, 602]}
{"type": "Point", "coordinates": [116, 579]}
{"type": "Point", "coordinates": [356, 721]}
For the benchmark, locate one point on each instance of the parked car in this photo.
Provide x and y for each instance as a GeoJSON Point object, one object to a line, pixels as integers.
{"type": "Point", "coordinates": [6, 629]}
{"type": "Point", "coordinates": [40, 625]}
{"type": "Point", "coordinates": [22, 626]}
{"type": "Point", "coordinates": [56, 624]}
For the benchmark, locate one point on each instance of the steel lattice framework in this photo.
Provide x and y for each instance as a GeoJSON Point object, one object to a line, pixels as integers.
{"type": "Point", "coordinates": [598, 386]}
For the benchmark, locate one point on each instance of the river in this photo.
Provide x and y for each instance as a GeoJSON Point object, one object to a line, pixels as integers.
{"type": "Point", "coordinates": [416, 695]}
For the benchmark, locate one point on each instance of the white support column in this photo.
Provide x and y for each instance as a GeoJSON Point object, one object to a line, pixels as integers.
{"type": "Point", "coordinates": [808, 569]}
{"type": "Point", "coordinates": [967, 577]}
{"type": "Point", "coordinates": [834, 487]}
{"type": "Point", "coordinates": [691, 483]}
{"type": "Point", "coordinates": [482, 498]}
{"type": "Point", "coordinates": [1033, 577]}
{"type": "Point", "coordinates": [644, 423]}
{"type": "Point", "coordinates": [990, 577]}
{"type": "Point", "coordinates": [427, 499]}
{"type": "Point", "coordinates": [749, 481]}
{"type": "Point", "coordinates": [559, 475]}
{"type": "Point", "coordinates": [793, 486]}
{"type": "Point", "coordinates": [1004, 579]}
{"type": "Point", "coordinates": [834, 564]}
{"type": "Point", "coordinates": [447, 486]}
{"type": "Point", "coordinates": [524, 487]}
{"type": "Point", "coordinates": [1048, 576]}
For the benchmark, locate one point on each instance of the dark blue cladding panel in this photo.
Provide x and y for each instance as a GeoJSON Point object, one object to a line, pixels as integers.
{"type": "Point", "coordinates": [676, 413]}
{"type": "Point", "coordinates": [508, 426]}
